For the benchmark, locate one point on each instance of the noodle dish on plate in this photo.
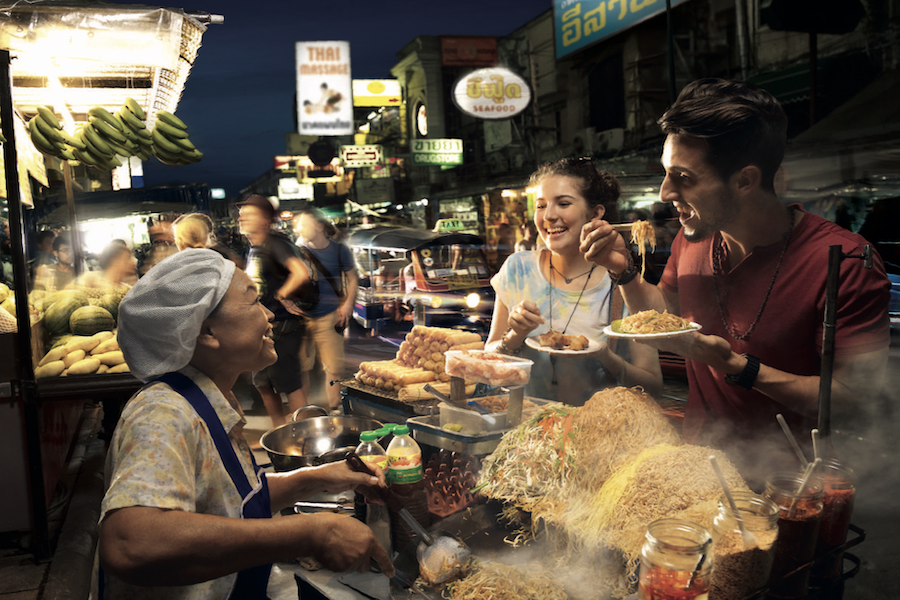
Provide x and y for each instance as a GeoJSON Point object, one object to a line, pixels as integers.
{"type": "Point", "coordinates": [650, 324]}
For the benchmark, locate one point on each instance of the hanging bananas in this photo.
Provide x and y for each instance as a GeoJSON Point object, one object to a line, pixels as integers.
{"type": "Point", "coordinates": [48, 136]}
{"type": "Point", "coordinates": [131, 116]}
{"type": "Point", "coordinates": [171, 143]}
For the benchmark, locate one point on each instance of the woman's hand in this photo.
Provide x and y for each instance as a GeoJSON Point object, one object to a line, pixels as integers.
{"type": "Point", "coordinates": [524, 318]}
{"type": "Point", "coordinates": [601, 244]}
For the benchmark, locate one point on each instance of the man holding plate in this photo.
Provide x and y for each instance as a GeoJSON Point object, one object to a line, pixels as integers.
{"type": "Point", "coordinates": [752, 272]}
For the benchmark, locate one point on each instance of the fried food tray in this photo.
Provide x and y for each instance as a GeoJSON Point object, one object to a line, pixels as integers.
{"type": "Point", "coordinates": [384, 406]}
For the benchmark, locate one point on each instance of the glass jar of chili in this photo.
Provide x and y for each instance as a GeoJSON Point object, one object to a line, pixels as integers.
{"type": "Point", "coordinates": [799, 515]}
{"type": "Point", "coordinates": [840, 490]}
{"type": "Point", "coordinates": [738, 571]}
{"type": "Point", "coordinates": [675, 561]}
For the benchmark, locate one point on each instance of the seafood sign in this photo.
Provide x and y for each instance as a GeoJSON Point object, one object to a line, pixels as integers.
{"type": "Point", "coordinates": [492, 93]}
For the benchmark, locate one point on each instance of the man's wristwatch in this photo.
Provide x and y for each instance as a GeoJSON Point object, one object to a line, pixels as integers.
{"type": "Point", "coordinates": [747, 377]}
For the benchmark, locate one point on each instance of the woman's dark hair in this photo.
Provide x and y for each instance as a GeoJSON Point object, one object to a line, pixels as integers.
{"type": "Point", "coordinates": [599, 188]}
{"type": "Point", "coordinates": [321, 217]}
{"type": "Point", "coordinates": [741, 123]}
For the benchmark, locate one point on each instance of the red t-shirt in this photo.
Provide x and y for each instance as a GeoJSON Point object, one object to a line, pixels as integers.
{"type": "Point", "coordinates": [788, 335]}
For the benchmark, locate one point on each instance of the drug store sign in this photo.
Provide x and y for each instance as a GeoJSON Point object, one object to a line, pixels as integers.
{"type": "Point", "coordinates": [492, 93]}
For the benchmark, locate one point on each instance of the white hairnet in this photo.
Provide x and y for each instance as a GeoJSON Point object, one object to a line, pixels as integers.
{"type": "Point", "coordinates": [160, 317]}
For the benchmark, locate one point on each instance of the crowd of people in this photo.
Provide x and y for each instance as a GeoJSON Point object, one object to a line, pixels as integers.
{"type": "Point", "coordinates": [185, 513]}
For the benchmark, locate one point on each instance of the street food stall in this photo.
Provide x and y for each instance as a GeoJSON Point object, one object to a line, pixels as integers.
{"type": "Point", "coordinates": [598, 501]}
{"type": "Point", "coordinates": [85, 92]}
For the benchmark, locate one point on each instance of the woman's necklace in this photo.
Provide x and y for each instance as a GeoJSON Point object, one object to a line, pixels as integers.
{"type": "Point", "coordinates": [580, 294]}
{"type": "Point", "coordinates": [718, 261]}
{"type": "Point", "coordinates": [570, 279]}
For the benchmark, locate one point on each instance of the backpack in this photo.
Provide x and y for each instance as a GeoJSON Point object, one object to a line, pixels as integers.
{"type": "Point", "coordinates": [307, 295]}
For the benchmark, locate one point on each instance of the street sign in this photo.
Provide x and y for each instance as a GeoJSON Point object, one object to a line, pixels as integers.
{"type": "Point", "coordinates": [362, 156]}
{"type": "Point", "coordinates": [437, 152]}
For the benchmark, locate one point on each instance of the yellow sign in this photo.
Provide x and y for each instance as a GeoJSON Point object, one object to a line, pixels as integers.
{"type": "Point", "coordinates": [376, 92]}
{"type": "Point", "coordinates": [462, 282]}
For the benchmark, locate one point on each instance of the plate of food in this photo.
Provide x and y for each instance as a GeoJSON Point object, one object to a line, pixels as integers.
{"type": "Point", "coordinates": [554, 342]}
{"type": "Point", "coordinates": [649, 324]}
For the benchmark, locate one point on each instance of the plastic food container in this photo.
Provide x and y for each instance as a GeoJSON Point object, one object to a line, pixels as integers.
{"type": "Point", "coordinates": [490, 368]}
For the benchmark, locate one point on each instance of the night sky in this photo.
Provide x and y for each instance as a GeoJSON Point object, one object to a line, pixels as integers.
{"type": "Point", "coordinates": [238, 101]}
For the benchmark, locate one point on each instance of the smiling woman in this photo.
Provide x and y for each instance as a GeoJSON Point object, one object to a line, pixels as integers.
{"type": "Point", "coordinates": [557, 290]}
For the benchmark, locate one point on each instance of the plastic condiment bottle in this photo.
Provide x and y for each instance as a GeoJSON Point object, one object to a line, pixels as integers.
{"type": "Point", "coordinates": [406, 478]}
{"type": "Point", "coordinates": [376, 515]}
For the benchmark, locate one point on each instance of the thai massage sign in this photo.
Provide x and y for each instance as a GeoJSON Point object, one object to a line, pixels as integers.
{"type": "Point", "coordinates": [580, 23]}
{"type": "Point", "coordinates": [492, 93]}
{"type": "Point", "coordinates": [324, 92]}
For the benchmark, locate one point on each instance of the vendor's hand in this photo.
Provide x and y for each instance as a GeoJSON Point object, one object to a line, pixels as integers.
{"type": "Point", "coordinates": [525, 317]}
{"type": "Point", "coordinates": [342, 543]}
{"type": "Point", "coordinates": [601, 244]}
{"type": "Point", "coordinates": [339, 477]}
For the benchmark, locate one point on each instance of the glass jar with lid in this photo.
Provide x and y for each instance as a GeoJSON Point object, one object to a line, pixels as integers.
{"type": "Point", "coordinates": [675, 561]}
{"type": "Point", "coordinates": [738, 571]}
{"type": "Point", "coordinates": [799, 514]}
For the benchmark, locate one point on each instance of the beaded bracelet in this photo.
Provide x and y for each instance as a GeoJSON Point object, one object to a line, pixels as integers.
{"type": "Point", "coordinates": [504, 349]}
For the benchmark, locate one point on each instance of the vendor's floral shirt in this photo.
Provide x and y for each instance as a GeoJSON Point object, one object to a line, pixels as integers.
{"type": "Point", "coordinates": [162, 456]}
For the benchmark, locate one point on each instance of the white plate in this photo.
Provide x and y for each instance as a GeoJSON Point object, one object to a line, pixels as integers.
{"type": "Point", "coordinates": [608, 330]}
{"type": "Point", "coordinates": [533, 342]}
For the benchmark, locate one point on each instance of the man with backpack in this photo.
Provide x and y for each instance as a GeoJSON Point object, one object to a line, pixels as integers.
{"type": "Point", "coordinates": [326, 321]}
{"type": "Point", "coordinates": [279, 274]}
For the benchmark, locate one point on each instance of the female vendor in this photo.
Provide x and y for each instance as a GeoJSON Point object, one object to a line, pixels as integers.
{"type": "Point", "coordinates": [557, 289]}
{"type": "Point", "coordinates": [187, 513]}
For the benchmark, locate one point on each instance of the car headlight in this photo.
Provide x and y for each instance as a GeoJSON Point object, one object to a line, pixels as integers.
{"type": "Point", "coordinates": [436, 301]}
{"type": "Point", "coordinates": [472, 300]}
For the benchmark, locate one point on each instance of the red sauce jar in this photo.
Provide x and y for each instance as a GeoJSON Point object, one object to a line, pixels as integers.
{"type": "Point", "coordinates": [840, 489]}
{"type": "Point", "coordinates": [799, 515]}
{"type": "Point", "coordinates": [676, 561]}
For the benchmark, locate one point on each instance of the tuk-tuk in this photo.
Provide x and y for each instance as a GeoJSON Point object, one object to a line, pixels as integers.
{"type": "Point", "coordinates": [402, 270]}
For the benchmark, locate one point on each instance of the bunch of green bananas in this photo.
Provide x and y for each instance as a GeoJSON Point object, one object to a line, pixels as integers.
{"type": "Point", "coordinates": [132, 118]}
{"type": "Point", "coordinates": [50, 138]}
{"type": "Point", "coordinates": [105, 137]}
{"type": "Point", "coordinates": [171, 144]}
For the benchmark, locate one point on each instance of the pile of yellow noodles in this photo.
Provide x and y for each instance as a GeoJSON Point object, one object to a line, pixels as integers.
{"type": "Point", "coordinates": [650, 321]}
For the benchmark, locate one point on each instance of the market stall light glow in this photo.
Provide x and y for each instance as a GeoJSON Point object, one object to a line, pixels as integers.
{"type": "Point", "coordinates": [509, 194]}
{"type": "Point", "coordinates": [436, 301]}
{"type": "Point", "coordinates": [472, 300]}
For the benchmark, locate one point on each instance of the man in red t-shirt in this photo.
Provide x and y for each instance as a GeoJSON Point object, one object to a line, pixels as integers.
{"type": "Point", "coordinates": [752, 272]}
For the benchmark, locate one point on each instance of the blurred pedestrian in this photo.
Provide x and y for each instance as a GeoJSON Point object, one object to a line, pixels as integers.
{"type": "Point", "coordinates": [325, 323]}
{"type": "Point", "coordinates": [274, 266]}
{"type": "Point", "coordinates": [195, 230]}
{"type": "Point", "coordinates": [60, 274]}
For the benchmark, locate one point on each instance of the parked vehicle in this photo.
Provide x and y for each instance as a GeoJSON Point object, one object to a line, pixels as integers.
{"type": "Point", "coordinates": [403, 270]}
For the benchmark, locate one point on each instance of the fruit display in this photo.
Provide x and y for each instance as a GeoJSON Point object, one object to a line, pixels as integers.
{"type": "Point", "coordinates": [171, 143]}
{"type": "Point", "coordinates": [83, 310]}
{"type": "Point", "coordinates": [106, 138]}
{"type": "Point", "coordinates": [83, 355]}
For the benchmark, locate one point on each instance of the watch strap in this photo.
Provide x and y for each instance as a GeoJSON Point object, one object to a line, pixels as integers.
{"type": "Point", "coordinates": [747, 377]}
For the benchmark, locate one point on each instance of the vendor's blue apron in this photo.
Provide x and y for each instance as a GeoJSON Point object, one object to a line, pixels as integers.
{"type": "Point", "coordinates": [251, 583]}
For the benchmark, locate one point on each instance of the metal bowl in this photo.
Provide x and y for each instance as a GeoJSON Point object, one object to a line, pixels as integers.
{"type": "Point", "coordinates": [300, 443]}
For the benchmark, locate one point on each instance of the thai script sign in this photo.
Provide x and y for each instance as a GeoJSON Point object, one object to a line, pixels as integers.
{"type": "Point", "coordinates": [473, 51]}
{"type": "Point", "coordinates": [493, 93]}
{"type": "Point", "coordinates": [324, 92]}
{"type": "Point", "coordinates": [437, 152]}
{"type": "Point", "coordinates": [580, 23]}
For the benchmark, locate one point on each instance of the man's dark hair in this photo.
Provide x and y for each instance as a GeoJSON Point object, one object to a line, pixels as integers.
{"type": "Point", "coordinates": [741, 123]}
{"type": "Point", "coordinates": [61, 240]}
{"type": "Point", "coordinates": [43, 235]}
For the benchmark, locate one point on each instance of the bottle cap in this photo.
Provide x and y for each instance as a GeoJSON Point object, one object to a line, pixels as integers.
{"type": "Point", "coordinates": [382, 432]}
{"type": "Point", "coordinates": [368, 436]}
{"type": "Point", "coordinates": [401, 430]}
{"type": "Point", "coordinates": [391, 426]}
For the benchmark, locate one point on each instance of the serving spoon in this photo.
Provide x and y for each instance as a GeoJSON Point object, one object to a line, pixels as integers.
{"type": "Point", "coordinates": [746, 535]}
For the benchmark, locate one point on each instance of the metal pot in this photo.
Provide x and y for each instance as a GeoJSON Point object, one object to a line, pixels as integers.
{"type": "Point", "coordinates": [301, 443]}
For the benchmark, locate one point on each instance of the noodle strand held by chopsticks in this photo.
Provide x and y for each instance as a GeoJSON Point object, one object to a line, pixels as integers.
{"type": "Point", "coordinates": [643, 235]}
